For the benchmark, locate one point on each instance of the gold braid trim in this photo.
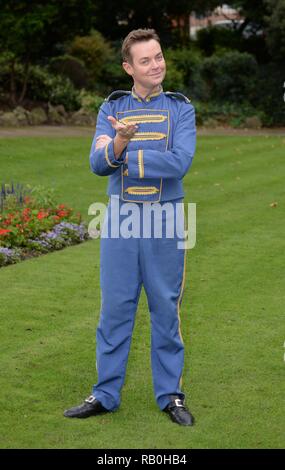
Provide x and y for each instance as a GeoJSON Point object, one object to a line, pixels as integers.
{"type": "Point", "coordinates": [144, 118]}
{"type": "Point", "coordinates": [179, 304]}
{"type": "Point", "coordinates": [148, 136]}
{"type": "Point", "coordinates": [107, 158]}
{"type": "Point", "coordinates": [142, 190]}
{"type": "Point", "coordinates": [140, 163]}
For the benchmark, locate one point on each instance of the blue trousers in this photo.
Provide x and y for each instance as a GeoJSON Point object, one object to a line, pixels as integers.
{"type": "Point", "coordinates": [127, 264]}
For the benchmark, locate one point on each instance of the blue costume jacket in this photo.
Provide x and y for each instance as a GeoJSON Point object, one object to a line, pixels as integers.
{"type": "Point", "coordinates": [152, 166]}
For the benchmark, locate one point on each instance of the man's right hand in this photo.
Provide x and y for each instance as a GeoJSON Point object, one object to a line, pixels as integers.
{"type": "Point", "coordinates": [124, 131]}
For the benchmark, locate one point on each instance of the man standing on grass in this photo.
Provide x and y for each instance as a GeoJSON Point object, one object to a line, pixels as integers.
{"type": "Point", "coordinates": [145, 141]}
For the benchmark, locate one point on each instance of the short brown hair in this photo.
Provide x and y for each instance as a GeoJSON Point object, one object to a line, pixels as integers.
{"type": "Point", "coordinates": [137, 35]}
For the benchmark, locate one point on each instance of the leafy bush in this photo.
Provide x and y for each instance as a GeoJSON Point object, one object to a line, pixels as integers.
{"type": "Point", "coordinates": [72, 68]}
{"type": "Point", "coordinates": [40, 196]}
{"type": "Point", "coordinates": [187, 61]}
{"type": "Point", "coordinates": [90, 101]}
{"type": "Point", "coordinates": [174, 78]}
{"type": "Point", "coordinates": [44, 86]}
{"type": "Point", "coordinates": [93, 51]}
{"type": "Point", "coordinates": [230, 77]}
{"type": "Point", "coordinates": [269, 94]}
{"type": "Point", "coordinates": [211, 38]}
{"type": "Point", "coordinates": [4, 72]}
{"type": "Point", "coordinates": [226, 113]}
{"type": "Point", "coordinates": [115, 78]}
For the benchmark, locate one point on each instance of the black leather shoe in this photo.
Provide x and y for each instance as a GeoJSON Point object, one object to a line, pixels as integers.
{"type": "Point", "coordinates": [178, 412]}
{"type": "Point", "coordinates": [90, 407]}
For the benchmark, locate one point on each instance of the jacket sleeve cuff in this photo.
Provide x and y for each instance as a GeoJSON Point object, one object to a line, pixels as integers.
{"type": "Point", "coordinates": [110, 156]}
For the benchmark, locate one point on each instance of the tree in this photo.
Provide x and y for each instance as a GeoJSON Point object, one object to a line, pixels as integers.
{"type": "Point", "coordinates": [116, 19]}
{"type": "Point", "coordinates": [270, 15]}
{"type": "Point", "coordinates": [252, 11]}
{"type": "Point", "coordinates": [275, 20]}
{"type": "Point", "coordinates": [32, 30]}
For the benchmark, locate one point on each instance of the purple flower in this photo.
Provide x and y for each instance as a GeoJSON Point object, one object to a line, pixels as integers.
{"type": "Point", "coordinates": [6, 251]}
{"type": "Point", "coordinates": [65, 227]}
{"type": "Point", "coordinates": [49, 235]}
{"type": "Point", "coordinates": [10, 255]}
{"type": "Point", "coordinates": [63, 234]}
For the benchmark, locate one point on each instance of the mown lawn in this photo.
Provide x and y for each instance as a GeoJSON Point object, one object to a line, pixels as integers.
{"type": "Point", "coordinates": [232, 313]}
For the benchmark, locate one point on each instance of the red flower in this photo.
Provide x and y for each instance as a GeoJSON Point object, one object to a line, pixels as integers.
{"type": "Point", "coordinates": [26, 214]}
{"type": "Point", "coordinates": [62, 213]}
{"type": "Point", "coordinates": [4, 231]}
{"type": "Point", "coordinates": [61, 206]}
{"type": "Point", "coordinates": [42, 215]}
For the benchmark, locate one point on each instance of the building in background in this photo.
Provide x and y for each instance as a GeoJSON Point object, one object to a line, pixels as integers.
{"type": "Point", "coordinates": [224, 16]}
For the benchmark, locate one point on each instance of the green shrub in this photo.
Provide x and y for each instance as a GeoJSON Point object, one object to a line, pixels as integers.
{"type": "Point", "coordinates": [44, 86]}
{"type": "Point", "coordinates": [93, 51]}
{"type": "Point", "coordinates": [115, 78]}
{"type": "Point", "coordinates": [185, 59]}
{"type": "Point", "coordinates": [72, 68]}
{"type": "Point", "coordinates": [90, 101]}
{"type": "Point", "coordinates": [231, 77]}
{"type": "Point", "coordinates": [211, 38]}
{"type": "Point", "coordinates": [174, 78]}
{"type": "Point", "coordinates": [269, 93]}
{"type": "Point", "coordinates": [187, 62]}
{"type": "Point", "coordinates": [103, 64]}
{"type": "Point", "coordinates": [4, 72]}
{"type": "Point", "coordinates": [225, 113]}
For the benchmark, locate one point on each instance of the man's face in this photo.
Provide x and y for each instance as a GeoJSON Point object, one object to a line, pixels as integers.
{"type": "Point", "coordinates": [148, 67]}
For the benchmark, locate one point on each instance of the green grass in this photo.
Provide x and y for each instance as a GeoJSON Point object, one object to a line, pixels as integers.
{"type": "Point", "coordinates": [231, 313]}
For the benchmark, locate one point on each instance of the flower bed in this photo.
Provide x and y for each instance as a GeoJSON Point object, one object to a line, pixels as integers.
{"type": "Point", "coordinates": [31, 223]}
